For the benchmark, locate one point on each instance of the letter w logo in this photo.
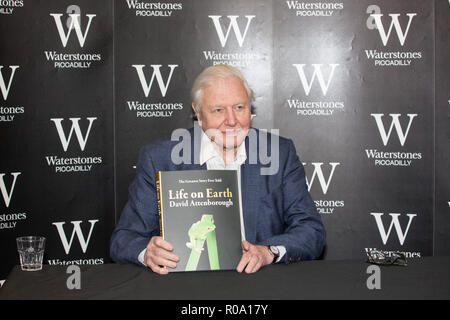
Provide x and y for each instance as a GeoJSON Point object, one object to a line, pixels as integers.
{"type": "Point", "coordinates": [3, 87]}
{"type": "Point", "coordinates": [317, 74]}
{"type": "Point", "coordinates": [8, 195]}
{"type": "Point", "coordinates": [394, 223]}
{"type": "Point", "coordinates": [74, 24]}
{"type": "Point", "coordinates": [319, 173]}
{"type": "Point", "coordinates": [156, 73]}
{"type": "Point", "coordinates": [76, 230]}
{"type": "Point", "coordinates": [82, 140]}
{"type": "Point", "coordinates": [232, 25]}
{"type": "Point", "coordinates": [394, 123]}
{"type": "Point", "coordinates": [394, 23]}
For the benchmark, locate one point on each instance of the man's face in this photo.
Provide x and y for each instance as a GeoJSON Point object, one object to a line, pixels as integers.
{"type": "Point", "coordinates": [225, 112]}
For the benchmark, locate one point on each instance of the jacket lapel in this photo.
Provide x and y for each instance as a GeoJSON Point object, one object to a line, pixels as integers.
{"type": "Point", "coordinates": [249, 190]}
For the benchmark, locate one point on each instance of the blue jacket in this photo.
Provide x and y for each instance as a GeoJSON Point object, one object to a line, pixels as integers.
{"type": "Point", "coordinates": [277, 209]}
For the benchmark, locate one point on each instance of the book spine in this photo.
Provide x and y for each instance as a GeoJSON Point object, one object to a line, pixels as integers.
{"type": "Point", "coordinates": [159, 195]}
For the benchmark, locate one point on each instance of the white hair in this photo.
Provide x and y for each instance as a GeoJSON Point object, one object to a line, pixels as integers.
{"type": "Point", "coordinates": [210, 75]}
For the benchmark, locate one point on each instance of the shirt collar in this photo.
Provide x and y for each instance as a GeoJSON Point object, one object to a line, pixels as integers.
{"type": "Point", "coordinates": [208, 151]}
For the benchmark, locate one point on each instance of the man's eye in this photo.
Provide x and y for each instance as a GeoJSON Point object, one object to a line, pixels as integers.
{"type": "Point", "coordinates": [218, 110]}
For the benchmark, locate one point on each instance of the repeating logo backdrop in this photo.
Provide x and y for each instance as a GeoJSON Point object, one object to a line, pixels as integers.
{"type": "Point", "coordinates": [57, 164]}
{"type": "Point", "coordinates": [360, 86]}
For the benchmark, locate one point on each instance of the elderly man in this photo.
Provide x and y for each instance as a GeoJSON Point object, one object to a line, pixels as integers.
{"type": "Point", "coordinates": [280, 219]}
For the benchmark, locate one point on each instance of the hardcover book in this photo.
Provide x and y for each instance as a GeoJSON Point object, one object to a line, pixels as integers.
{"type": "Point", "coordinates": [199, 214]}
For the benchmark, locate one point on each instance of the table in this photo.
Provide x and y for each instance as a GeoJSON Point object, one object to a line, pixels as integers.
{"type": "Point", "coordinates": [424, 278]}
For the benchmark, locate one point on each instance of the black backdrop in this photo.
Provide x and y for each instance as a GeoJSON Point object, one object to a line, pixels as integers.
{"type": "Point", "coordinates": [360, 86]}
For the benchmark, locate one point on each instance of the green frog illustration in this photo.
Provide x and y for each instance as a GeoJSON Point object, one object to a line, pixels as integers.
{"type": "Point", "coordinates": [198, 231]}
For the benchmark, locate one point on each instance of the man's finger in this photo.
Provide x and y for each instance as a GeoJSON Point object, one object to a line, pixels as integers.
{"type": "Point", "coordinates": [164, 262]}
{"type": "Point", "coordinates": [252, 265]}
{"type": "Point", "coordinates": [163, 253]}
{"type": "Point", "coordinates": [242, 263]}
{"type": "Point", "coordinates": [160, 242]}
{"type": "Point", "coordinates": [157, 269]}
{"type": "Point", "coordinates": [245, 245]}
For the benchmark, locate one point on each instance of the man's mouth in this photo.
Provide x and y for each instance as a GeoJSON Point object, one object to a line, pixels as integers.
{"type": "Point", "coordinates": [232, 132]}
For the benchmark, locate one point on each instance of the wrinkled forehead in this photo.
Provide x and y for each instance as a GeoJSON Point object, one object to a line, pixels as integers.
{"type": "Point", "coordinates": [228, 90]}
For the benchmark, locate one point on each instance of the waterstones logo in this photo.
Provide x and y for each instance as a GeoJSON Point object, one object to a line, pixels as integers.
{"type": "Point", "coordinates": [233, 59]}
{"type": "Point", "coordinates": [395, 158]}
{"type": "Point", "coordinates": [6, 87]}
{"type": "Point", "coordinates": [235, 31]}
{"type": "Point", "coordinates": [9, 112]}
{"type": "Point", "coordinates": [318, 82]}
{"type": "Point", "coordinates": [79, 262]}
{"type": "Point", "coordinates": [314, 9]}
{"type": "Point", "coordinates": [8, 182]}
{"type": "Point", "coordinates": [146, 109]}
{"type": "Point", "coordinates": [398, 228]}
{"type": "Point", "coordinates": [76, 231]}
{"type": "Point", "coordinates": [408, 254]}
{"type": "Point", "coordinates": [387, 26]}
{"type": "Point", "coordinates": [7, 194]}
{"type": "Point", "coordinates": [324, 206]}
{"type": "Point", "coordinates": [9, 6]}
{"type": "Point", "coordinates": [233, 24]}
{"type": "Point", "coordinates": [78, 25]}
{"type": "Point", "coordinates": [63, 164]}
{"type": "Point", "coordinates": [72, 60]}
{"type": "Point", "coordinates": [401, 232]}
{"type": "Point", "coordinates": [153, 9]}
{"type": "Point", "coordinates": [10, 220]}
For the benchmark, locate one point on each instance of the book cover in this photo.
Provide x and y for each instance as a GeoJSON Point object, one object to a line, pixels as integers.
{"type": "Point", "coordinates": [199, 214]}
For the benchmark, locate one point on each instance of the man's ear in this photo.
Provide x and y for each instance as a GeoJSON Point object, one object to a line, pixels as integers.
{"type": "Point", "coordinates": [197, 114]}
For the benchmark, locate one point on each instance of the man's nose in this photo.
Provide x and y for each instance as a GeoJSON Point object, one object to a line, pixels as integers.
{"type": "Point", "coordinates": [230, 119]}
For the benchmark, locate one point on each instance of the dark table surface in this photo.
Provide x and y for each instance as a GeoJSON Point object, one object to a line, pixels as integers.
{"type": "Point", "coordinates": [425, 278]}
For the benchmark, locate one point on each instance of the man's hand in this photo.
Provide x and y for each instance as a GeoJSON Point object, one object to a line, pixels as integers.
{"type": "Point", "coordinates": [159, 256]}
{"type": "Point", "coordinates": [254, 257]}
